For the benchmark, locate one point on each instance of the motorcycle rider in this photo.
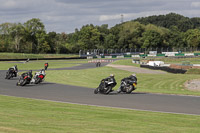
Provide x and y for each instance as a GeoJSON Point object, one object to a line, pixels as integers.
{"type": "Point", "coordinates": [111, 80]}
{"type": "Point", "coordinates": [132, 77]}
{"type": "Point", "coordinates": [46, 65]}
{"type": "Point", "coordinates": [41, 72]}
{"type": "Point", "coordinates": [15, 70]}
{"type": "Point", "coordinates": [29, 73]}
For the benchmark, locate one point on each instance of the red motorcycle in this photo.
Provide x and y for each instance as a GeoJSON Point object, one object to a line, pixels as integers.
{"type": "Point", "coordinates": [24, 79]}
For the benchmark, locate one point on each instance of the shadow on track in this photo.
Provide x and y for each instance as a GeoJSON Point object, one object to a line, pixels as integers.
{"type": "Point", "coordinates": [133, 93]}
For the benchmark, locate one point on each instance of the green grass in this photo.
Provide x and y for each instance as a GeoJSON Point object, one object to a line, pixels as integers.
{"type": "Point", "coordinates": [152, 83]}
{"type": "Point", "coordinates": [40, 64]}
{"type": "Point", "coordinates": [193, 71]}
{"type": "Point", "coordinates": [25, 56]}
{"type": "Point", "coordinates": [20, 115]}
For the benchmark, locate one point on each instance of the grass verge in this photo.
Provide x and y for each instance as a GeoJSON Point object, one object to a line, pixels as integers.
{"type": "Point", "coordinates": [193, 71]}
{"type": "Point", "coordinates": [25, 56]}
{"type": "Point", "coordinates": [152, 83]}
{"type": "Point", "coordinates": [19, 115]}
{"type": "Point", "coordinates": [33, 65]}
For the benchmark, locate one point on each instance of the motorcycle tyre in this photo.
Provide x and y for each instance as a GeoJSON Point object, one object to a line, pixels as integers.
{"type": "Point", "coordinates": [8, 76]}
{"type": "Point", "coordinates": [130, 89]}
{"type": "Point", "coordinates": [23, 83]}
{"type": "Point", "coordinates": [96, 91]}
{"type": "Point", "coordinates": [37, 80]}
{"type": "Point", "coordinates": [108, 90]}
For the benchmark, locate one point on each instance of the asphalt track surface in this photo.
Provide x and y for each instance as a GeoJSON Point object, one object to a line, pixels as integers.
{"type": "Point", "coordinates": [81, 95]}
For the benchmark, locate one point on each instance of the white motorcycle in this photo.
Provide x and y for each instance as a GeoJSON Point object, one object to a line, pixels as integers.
{"type": "Point", "coordinates": [39, 77]}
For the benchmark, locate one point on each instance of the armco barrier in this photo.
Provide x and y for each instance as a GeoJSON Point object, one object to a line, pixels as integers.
{"type": "Point", "coordinates": [160, 55]}
{"type": "Point", "coordinates": [179, 54]}
{"type": "Point", "coordinates": [197, 54]}
{"type": "Point", "coordinates": [173, 55]}
{"type": "Point", "coordinates": [167, 69]}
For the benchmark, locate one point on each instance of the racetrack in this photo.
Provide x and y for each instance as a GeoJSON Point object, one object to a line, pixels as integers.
{"type": "Point", "coordinates": [82, 95]}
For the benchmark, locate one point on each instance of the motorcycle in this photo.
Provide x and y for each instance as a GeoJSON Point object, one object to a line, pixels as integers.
{"type": "Point", "coordinates": [105, 87]}
{"type": "Point", "coordinates": [127, 86]}
{"type": "Point", "coordinates": [24, 79]}
{"type": "Point", "coordinates": [39, 77]}
{"type": "Point", "coordinates": [11, 73]}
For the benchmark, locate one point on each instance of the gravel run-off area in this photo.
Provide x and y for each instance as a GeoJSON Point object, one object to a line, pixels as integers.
{"type": "Point", "coordinates": [193, 85]}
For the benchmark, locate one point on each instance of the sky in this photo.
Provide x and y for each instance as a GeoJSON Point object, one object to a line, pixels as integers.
{"type": "Point", "coordinates": [67, 15]}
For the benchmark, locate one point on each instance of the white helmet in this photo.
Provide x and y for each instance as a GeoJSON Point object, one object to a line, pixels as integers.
{"type": "Point", "coordinates": [112, 75]}
{"type": "Point", "coordinates": [133, 74]}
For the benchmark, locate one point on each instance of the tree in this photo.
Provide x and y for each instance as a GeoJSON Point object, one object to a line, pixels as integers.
{"type": "Point", "coordinates": [51, 39]}
{"type": "Point", "coordinates": [151, 39]}
{"type": "Point", "coordinates": [175, 38]}
{"type": "Point", "coordinates": [5, 38]}
{"type": "Point", "coordinates": [192, 38]}
{"type": "Point", "coordinates": [17, 33]}
{"type": "Point", "coordinates": [44, 47]}
{"type": "Point", "coordinates": [109, 42]}
{"type": "Point", "coordinates": [89, 37]}
{"type": "Point", "coordinates": [35, 32]}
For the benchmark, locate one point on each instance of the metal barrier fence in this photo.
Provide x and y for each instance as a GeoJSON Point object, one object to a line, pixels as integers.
{"type": "Point", "coordinates": [135, 51]}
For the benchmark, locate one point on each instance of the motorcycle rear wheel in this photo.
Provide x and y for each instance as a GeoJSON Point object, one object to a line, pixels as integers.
{"type": "Point", "coordinates": [129, 89]}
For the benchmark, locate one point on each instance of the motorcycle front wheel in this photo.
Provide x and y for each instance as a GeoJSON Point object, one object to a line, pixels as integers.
{"type": "Point", "coordinates": [96, 90]}
{"type": "Point", "coordinates": [108, 90]}
{"type": "Point", "coordinates": [37, 80]}
{"type": "Point", "coordinates": [22, 82]}
{"type": "Point", "coordinates": [8, 76]}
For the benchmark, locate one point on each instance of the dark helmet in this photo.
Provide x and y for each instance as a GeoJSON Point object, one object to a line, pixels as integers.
{"type": "Point", "coordinates": [30, 71]}
{"type": "Point", "coordinates": [15, 65]}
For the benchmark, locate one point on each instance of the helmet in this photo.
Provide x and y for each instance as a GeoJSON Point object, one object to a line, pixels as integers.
{"type": "Point", "coordinates": [112, 75]}
{"type": "Point", "coordinates": [30, 71]}
{"type": "Point", "coordinates": [133, 74]}
{"type": "Point", "coordinates": [15, 65]}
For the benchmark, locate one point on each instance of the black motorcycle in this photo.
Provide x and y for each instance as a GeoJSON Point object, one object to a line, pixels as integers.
{"type": "Point", "coordinates": [24, 79]}
{"type": "Point", "coordinates": [127, 86]}
{"type": "Point", "coordinates": [11, 73]}
{"type": "Point", "coordinates": [105, 87]}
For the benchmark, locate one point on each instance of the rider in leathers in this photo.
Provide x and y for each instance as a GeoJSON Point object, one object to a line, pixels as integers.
{"type": "Point", "coordinates": [132, 77]}
{"type": "Point", "coordinates": [15, 70]}
{"type": "Point", "coordinates": [111, 80]}
{"type": "Point", "coordinates": [29, 73]}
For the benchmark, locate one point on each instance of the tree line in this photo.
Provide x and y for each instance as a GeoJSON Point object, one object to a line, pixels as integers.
{"type": "Point", "coordinates": [163, 31]}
